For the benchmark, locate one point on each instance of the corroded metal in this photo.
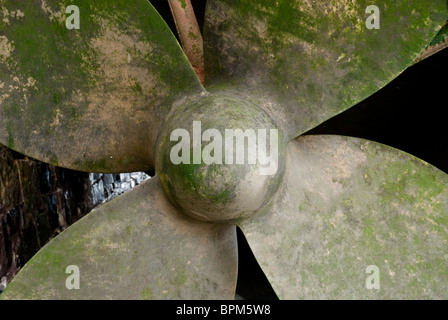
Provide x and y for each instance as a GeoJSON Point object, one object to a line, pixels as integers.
{"type": "Point", "coordinates": [189, 34]}
{"type": "Point", "coordinates": [437, 44]}
{"type": "Point", "coordinates": [307, 61]}
{"type": "Point", "coordinates": [136, 247]}
{"type": "Point", "coordinates": [347, 204]}
{"type": "Point", "coordinates": [71, 97]}
{"type": "Point", "coordinates": [89, 99]}
{"type": "Point", "coordinates": [219, 182]}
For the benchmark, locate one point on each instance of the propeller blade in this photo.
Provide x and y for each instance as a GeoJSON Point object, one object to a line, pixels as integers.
{"type": "Point", "coordinates": [87, 87]}
{"type": "Point", "coordinates": [354, 219]}
{"type": "Point", "coordinates": [134, 247]}
{"type": "Point", "coordinates": [437, 44]}
{"type": "Point", "coordinates": [307, 61]}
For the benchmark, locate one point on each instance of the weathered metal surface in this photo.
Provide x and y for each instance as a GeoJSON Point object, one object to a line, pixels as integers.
{"type": "Point", "coordinates": [347, 204]}
{"type": "Point", "coordinates": [93, 98]}
{"type": "Point", "coordinates": [219, 182]}
{"type": "Point", "coordinates": [135, 247]}
{"type": "Point", "coordinates": [439, 42]}
{"type": "Point", "coordinates": [70, 97]}
{"type": "Point", "coordinates": [306, 61]}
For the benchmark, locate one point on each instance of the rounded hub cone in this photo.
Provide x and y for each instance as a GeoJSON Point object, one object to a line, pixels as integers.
{"type": "Point", "coordinates": [220, 158]}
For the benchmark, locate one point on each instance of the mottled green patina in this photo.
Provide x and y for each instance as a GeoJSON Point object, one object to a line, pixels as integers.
{"type": "Point", "coordinates": [106, 97]}
{"type": "Point", "coordinates": [218, 191]}
{"type": "Point", "coordinates": [121, 256]}
{"type": "Point", "coordinates": [65, 91]}
{"type": "Point", "coordinates": [314, 59]}
{"type": "Point", "coordinates": [346, 204]}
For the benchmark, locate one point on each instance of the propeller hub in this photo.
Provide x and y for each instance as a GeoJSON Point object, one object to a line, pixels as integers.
{"type": "Point", "coordinates": [220, 158]}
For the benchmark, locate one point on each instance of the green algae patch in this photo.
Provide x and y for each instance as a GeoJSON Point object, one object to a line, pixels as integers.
{"type": "Point", "coordinates": [347, 204]}
{"type": "Point", "coordinates": [79, 91]}
{"type": "Point", "coordinates": [146, 294]}
{"type": "Point", "coordinates": [314, 60]}
{"type": "Point", "coordinates": [210, 154]}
